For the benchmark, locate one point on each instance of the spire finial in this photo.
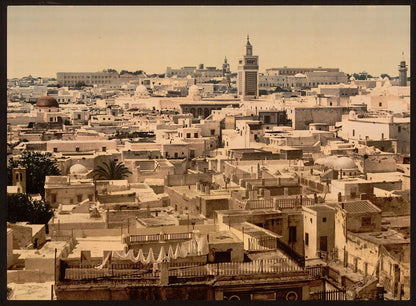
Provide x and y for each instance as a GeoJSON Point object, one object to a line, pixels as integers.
{"type": "Point", "coordinates": [248, 38]}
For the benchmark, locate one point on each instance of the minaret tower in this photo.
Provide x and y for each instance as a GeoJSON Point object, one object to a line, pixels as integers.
{"type": "Point", "coordinates": [403, 72]}
{"type": "Point", "coordinates": [226, 72]}
{"type": "Point", "coordinates": [247, 77]}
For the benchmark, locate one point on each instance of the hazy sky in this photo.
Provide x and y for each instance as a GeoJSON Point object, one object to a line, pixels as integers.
{"type": "Point", "coordinates": [43, 40]}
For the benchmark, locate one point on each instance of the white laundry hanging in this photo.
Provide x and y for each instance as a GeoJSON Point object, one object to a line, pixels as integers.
{"type": "Point", "coordinates": [171, 254]}
{"type": "Point", "coordinates": [162, 255]}
{"type": "Point", "coordinates": [150, 257]}
{"type": "Point", "coordinates": [106, 259]}
{"type": "Point", "coordinates": [203, 247]}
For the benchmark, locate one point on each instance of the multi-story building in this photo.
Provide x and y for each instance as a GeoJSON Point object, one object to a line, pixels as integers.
{"type": "Point", "coordinates": [293, 71]}
{"type": "Point", "coordinates": [89, 78]}
{"type": "Point", "coordinates": [301, 77]}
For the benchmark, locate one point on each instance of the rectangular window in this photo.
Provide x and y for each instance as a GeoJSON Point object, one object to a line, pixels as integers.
{"type": "Point", "coordinates": [324, 219]}
{"type": "Point", "coordinates": [104, 149]}
{"type": "Point", "coordinates": [53, 197]}
{"type": "Point", "coordinates": [365, 221]}
{"type": "Point", "coordinates": [188, 135]}
{"type": "Point", "coordinates": [55, 150]}
{"type": "Point", "coordinates": [195, 135]}
{"type": "Point", "coordinates": [79, 197]}
{"type": "Point", "coordinates": [213, 132]}
{"type": "Point", "coordinates": [77, 149]}
{"type": "Point", "coordinates": [306, 239]}
{"type": "Point", "coordinates": [292, 234]}
{"type": "Point", "coordinates": [266, 119]}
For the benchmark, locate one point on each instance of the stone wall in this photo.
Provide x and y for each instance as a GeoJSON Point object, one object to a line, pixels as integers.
{"type": "Point", "coordinates": [187, 179]}
{"type": "Point", "coordinates": [144, 293]}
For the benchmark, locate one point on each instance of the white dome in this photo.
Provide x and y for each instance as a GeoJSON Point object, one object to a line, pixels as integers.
{"type": "Point", "coordinates": [193, 91]}
{"type": "Point", "coordinates": [326, 161]}
{"type": "Point", "coordinates": [320, 161]}
{"type": "Point", "coordinates": [78, 169]}
{"type": "Point", "coordinates": [352, 115]}
{"type": "Point", "coordinates": [299, 75]}
{"type": "Point", "coordinates": [141, 90]}
{"type": "Point", "coordinates": [344, 163]}
{"type": "Point", "coordinates": [329, 161]}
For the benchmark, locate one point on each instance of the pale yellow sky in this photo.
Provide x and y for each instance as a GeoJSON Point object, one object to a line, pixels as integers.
{"type": "Point", "coordinates": [43, 40]}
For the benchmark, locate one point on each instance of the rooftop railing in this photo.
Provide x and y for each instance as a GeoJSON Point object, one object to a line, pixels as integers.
{"type": "Point", "coordinates": [158, 237]}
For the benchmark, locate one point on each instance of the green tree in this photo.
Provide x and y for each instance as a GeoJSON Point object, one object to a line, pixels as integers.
{"type": "Point", "coordinates": [38, 166]}
{"type": "Point", "coordinates": [22, 208]}
{"type": "Point", "coordinates": [383, 75]}
{"type": "Point", "coordinates": [80, 84]}
{"type": "Point", "coordinates": [111, 171]}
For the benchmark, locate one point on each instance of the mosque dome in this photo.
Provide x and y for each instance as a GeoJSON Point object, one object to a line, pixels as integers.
{"type": "Point", "coordinates": [300, 75]}
{"type": "Point", "coordinates": [141, 90]}
{"type": "Point", "coordinates": [193, 91]}
{"type": "Point", "coordinates": [352, 115]}
{"type": "Point", "coordinates": [78, 169]}
{"type": "Point", "coordinates": [352, 78]}
{"type": "Point", "coordinates": [47, 101]}
{"type": "Point", "coordinates": [320, 161]}
{"type": "Point", "coordinates": [326, 161]}
{"type": "Point", "coordinates": [344, 163]}
{"type": "Point", "coordinates": [329, 161]}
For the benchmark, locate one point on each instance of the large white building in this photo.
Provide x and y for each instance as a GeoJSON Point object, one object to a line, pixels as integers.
{"type": "Point", "coordinates": [300, 77]}
{"type": "Point", "coordinates": [89, 78]}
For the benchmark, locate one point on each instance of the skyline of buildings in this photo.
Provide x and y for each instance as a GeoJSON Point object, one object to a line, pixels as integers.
{"type": "Point", "coordinates": [273, 174]}
{"type": "Point", "coordinates": [369, 42]}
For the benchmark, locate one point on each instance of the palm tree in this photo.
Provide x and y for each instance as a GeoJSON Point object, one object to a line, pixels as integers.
{"type": "Point", "coordinates": [111, 171]}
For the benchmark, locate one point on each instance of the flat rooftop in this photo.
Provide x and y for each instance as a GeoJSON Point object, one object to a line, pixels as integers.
{"type": "Point", "coordinates": [75, 218]}
{"type": "Point", "coordinates": [320, 208]}
{"type": "Point", "coordinates": [222, 237]}
{"type": "Point", "coordinates": [248, 212]}
{"type": "Point", "coordinates": [97, 245]}
{"type": "Point", "coordinates": [46, 252]}
{"type": "Point", "coordinates": [383, 237]}
{"type": "Point", "coordinates": [161, 220]}
{"type": "Point", "coordinates": [396, 222]}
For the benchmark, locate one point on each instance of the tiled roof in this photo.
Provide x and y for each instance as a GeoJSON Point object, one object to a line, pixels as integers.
{"type": "Point", "coordinates": [361, 207]}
